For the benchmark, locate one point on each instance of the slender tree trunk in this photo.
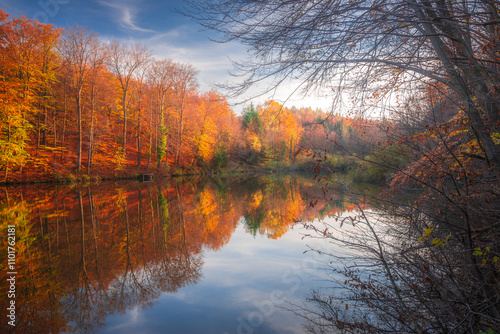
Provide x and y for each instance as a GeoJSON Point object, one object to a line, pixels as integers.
{"type": "Point", "coordinates": [181, 130]}
{"type": "Point", "coordinates": [82, 227]}
{"type": "Point", "coordinates": [124, 101]}
{"type": "Point", "coordinates": [42, 239]}
{"type": "Point", "coordinates": [91, 132]}
{"type": "Point", "coordinates": [64, 122]}
{"type": "Point", "coordinates": [7, 163]}
{"type": "Point", "coordinates": [79, 148]}
{"type": "Point", "coordinates": [54, 128]}
{"type": "Point", "coordinates": [57, 228]}
{"type": "Point", "coordinates": [152, 220]}
{"type": "Point", "coordinates": [44, 124]}
{"type": "Point", "coordinates": [458, 84]}
{"type": "Point", "coordinates": [38, 131]}
{"type": "Point", "coordinates": [150, 130]}
{"type": "Point", "coordinates": [159, 138]}
{"type": "Point", "coordinates": [139, 192]}
{"type": "Point", "coordinates": [139, 129]}
{"type": "Point", "coordinates": [94, 228]}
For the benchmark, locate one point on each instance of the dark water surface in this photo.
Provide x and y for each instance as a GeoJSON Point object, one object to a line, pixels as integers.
{"type": "Point", "coordinates": [174, 256]}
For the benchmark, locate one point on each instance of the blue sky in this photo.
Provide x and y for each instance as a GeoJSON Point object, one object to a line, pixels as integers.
{"type": "Point", "coordinates": [152, 22]}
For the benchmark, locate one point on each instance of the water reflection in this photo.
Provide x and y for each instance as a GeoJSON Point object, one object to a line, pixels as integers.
{"type": "Point", "coordinates": [86, 253]}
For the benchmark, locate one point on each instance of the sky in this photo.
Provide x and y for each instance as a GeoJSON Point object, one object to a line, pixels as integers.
{"type": "Point", "coordinates": [167, 34]}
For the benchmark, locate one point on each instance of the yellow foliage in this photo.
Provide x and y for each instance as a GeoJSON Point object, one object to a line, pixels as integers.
{"type": "Point", "coordinates": [255, 200]}
{"type": "Point", "coordinates": [254, 142]}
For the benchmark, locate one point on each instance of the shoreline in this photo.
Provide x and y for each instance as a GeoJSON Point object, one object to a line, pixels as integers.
{"type": "Point", "coordinates": [95, 179]}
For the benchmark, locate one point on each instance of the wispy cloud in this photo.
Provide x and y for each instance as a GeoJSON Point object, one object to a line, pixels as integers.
{"type": "Point", "coordinates": [134, 318]}
{"type": "Point", "coordinates": [126, 14]}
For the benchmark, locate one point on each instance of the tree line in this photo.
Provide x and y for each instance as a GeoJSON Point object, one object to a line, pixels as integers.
{"type": "Point", "coordinates": [66, 92]}
{"type": "Point", "coordinates": [72, 105]}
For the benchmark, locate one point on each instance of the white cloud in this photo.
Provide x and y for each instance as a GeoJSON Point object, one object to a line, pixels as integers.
{"type": "Point", "coordinates": [187, 44]}
{"type": "Point", "coordinates": [134, 318]}
{"type": "Point", "coordinates": [127, 14]}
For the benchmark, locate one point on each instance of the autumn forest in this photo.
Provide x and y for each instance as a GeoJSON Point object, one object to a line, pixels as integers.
{"type": "Point", "coordinates": [75, 108]}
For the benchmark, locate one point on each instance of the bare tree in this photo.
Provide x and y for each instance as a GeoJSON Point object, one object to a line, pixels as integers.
{"type": "Point", "coordinates": [361, 45]}
{"type": "Point", "coordinates": [124, 62]}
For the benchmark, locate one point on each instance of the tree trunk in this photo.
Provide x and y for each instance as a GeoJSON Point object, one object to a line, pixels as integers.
{"type": "Point", "coordinates": [82, 227]}
{"type": "Point", "coordinates": [124, 100]}
{"type": "Point", "coordinates": [64, 122]}
{"type": "Point", "coordinates": [150, 131]}
{"type": "Point", "coordinates": [91, 134]}
{"type": "Point", "coordinates": [181, 129]}
{"type": "Point", "coordinates": [54, 131]}
{"type": "Point", "coordinates": [79, 148]}
{"type": "Point", "coordinates": [139, 129]}
{"type": "Point", "coordinates": [44, 124]}
{"type": "Point", "coordinates": [38, 131]}
{"type": "Point", "coordinates": [458, 84]}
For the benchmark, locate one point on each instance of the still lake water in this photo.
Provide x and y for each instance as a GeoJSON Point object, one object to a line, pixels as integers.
{"type": "Point", "coordinates": [172, 256]}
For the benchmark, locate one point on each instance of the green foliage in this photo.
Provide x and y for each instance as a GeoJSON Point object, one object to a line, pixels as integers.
{"type": "Point", "coordinates": [490, 331]}
{"type": "Point", "coordinates": [253, 221]}
{"type": "Point", "coordinates": [251, 119]}
{"type": "Point", "coordinates": [368, 172]}
{"type": "Point", "coordinates": [379, 164]}
{"type": "Point", "coordinates": [282, 151]}
{"type": "Point", "coordinates": [165, 214]}
{"type": "Point", "coordinates": [220, 157]}
{"type": "Point", "coordinates": [162, 148]}
{"type": "Point", "coordinates": [338, 127]}
{"type": "Point", "coordinates": [342, 163]}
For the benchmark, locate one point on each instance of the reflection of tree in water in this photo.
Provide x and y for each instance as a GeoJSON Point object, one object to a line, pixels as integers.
{"type": "Point", "coordinates": [140, 282]}
{"type": "Point", "coordinates": [392, 271]}
{"type": "Point", "coordinates": [91, 252]}
{"type": "Point", "coordinates": [275, 203]}
{"type": "Point", "coordinates": [32, 276]}
{"type": "Point", "coordinates": [95, 257]}
{"type": "Point", "coordinates": [273, 206]}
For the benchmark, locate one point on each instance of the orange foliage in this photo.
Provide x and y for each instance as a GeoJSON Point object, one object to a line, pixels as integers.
{"type": "Point", "coordinates": [111, 110]}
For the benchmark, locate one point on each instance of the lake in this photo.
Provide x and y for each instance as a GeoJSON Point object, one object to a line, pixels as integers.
{"type": "Point", "coordinates": [192, 255]}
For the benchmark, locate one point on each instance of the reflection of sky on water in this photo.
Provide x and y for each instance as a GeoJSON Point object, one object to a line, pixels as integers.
{"type": "Point", "coordinates": [235, 294]}
{"type": "Point", "coordinates": [135, 258]}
